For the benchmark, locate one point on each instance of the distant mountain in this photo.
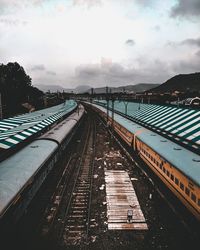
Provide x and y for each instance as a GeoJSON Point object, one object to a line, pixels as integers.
{"type": "Point", "coordinates": [87, 89]}
{"type": "Point", "coordinates": [181, 83]}
{"type": "Point", "coordinates": [141, 87]}
{"type": "Point", "coordinates": [82, 89]}
{"type": "Point", "coordinates": [52, 88]}
{"type": "Point", "coordinates": [55, 88]}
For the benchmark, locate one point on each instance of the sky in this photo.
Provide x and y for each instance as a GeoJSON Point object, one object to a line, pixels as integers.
{"type": "Point", "coordinates": [101, 42]}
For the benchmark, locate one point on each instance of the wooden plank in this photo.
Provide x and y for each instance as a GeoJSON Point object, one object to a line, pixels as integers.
{"type": "Point", "coordinates": [123, 221]}
{"type": "Point", "coordinates": [121, 197]}
{"type": "Point", "coordinates": [127, 226]}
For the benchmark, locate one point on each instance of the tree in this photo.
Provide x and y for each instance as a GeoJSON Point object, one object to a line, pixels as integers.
{"type": "Point", "coordinates": [15, 88]}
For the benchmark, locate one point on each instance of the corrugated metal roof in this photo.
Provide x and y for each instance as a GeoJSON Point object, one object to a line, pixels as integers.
{"type": "Point", "coordinates": [16, 129]}
{"type": "Point", "coordinates": [182, 124]}
{"type": "Point", "coordinates": [183, 159]}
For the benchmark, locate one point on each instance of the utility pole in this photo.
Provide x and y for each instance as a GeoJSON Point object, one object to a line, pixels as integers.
{"type": "Point", "coordinates": [178, 102]}
{"type": "Point", "coordinates": [92, 93]}
{"type": "Point", "coordinates": [107, 100]}
{"type": "Point", "coordinates": [113, 108]}
{"type": "Point", "coordinates": [139, 104]}
{"type": "Point", "coordinates": [1, 113]}
{"type": "Point", "coordinates": [126, 106]}
{"type": "Point", "coordinates": [113, 112]}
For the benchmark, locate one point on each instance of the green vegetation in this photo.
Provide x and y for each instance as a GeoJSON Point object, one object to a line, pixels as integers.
{"type": "Point", "coordinates": [186, 83]}
{"type": "Point", "coordinates": [16, 89]}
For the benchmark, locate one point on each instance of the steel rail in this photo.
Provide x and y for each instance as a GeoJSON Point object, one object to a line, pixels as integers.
{"type": "Point", "coordinates": [75, 182]}
{"type": "Point", "coordinates": [91, 180]}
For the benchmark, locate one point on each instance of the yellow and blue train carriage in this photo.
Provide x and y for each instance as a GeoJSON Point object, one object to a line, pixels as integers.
{"type": "Point", "coordinates": [176, 166]}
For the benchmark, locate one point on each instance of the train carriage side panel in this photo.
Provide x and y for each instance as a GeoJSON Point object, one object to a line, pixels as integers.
{"type": "Point", "coordinates": [182, 186]}
{"type": "Point", "coordinates": [19, 171]}
{"type": "Point", "coordinates": [177, 167]}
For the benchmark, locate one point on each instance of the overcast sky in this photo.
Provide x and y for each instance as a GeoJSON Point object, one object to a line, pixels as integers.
{"type": "Point", "coordinates": [101, 42]}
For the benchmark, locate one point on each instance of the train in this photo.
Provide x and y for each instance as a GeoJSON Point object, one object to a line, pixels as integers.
{"type": "Point", "coordinates": [17, 131]}
{"type": "Point", "coordinates": [23, 173]}
{"type": "Point", "coordinates": [177, 167]}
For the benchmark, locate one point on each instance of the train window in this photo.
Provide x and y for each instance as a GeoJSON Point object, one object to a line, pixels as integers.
{"type": "Point", "coordinates": [187, 191]}
{"type": "Point", "coordinates": [176, 181]}
{"type": "Point", "coordinates": [172, 177]}
{"type": "Point", "coordinates": [181, 186]}
{"type": "Point", "coordinates": [167, 173]}
{"type": "Point", "coordinates": [164, 170]}
{"type": "Point", "coordinates": [193, 197]}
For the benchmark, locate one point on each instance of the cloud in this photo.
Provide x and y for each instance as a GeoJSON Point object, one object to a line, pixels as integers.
{"type": "Point", "coordinates": [147, 71]}
{"type": "Point", "coordinates": [191, 41]}
{"type": "Point", "coordinates": [39, 67]}
{"type": "Point", "coordinates": [130, 42]}
{"type": "Point", "coordinates": [146, 3]}
{"type": "Point", "coordinates": [157, 28]}
{"type": "Point", "coordinates": [52, 73]}
{"type": "Point", "coordinates": [88, 3]}
{"type": "Point", "coordinates": [7, 6]}
{"type": "Point", "coordinates": [116, 74]}
{"type": "Point", "coordinates": [198, 53]}
{"type": "Point", "coordinates": [187, 42]}
{"type": "Point", "coordinates": [186, 8]}
{"type": "Point", "coordinates": [14, 22]}
{"type": "Point", "coordinates": [188, 66]}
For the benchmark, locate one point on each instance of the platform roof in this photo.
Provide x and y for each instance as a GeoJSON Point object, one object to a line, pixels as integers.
{"type": "Point", "coordinates": [183, 159]}
{"type": "Point", "coordinates": [181, 124]}
{"type": "Point", "coordinates": [19, 128]}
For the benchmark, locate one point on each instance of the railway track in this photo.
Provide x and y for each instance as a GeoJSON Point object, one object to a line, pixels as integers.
{"type": "Point", "coordinates": [67, 217]}
{"type": "Point", "coordinates": [77, 217]}
{"type": "Point", "coordinates": [70, 223]}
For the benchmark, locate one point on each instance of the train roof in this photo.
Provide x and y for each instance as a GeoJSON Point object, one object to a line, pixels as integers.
{"type": "Point", "coordinates": [17, 170]}
{"type": "Point", "coordinates": [16, 129]}
{"type": "Point", "coordinates": [59, 132]}
{"type": "Point", "coordinates": [182, 124]}
{"type": "Point", "coordinates": [183, 159]}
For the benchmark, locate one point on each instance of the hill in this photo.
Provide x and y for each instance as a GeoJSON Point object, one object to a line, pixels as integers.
{"type": "Point", "coordinates": [85, 88]}
{"type": "Point", "coordinates": [55, 88]}
{"type": "Point", "coordinates": [141, 87]}
{"type": "Point", "coordinates": [181, 83]}
{"type": "Point", "coordinates": [51, 88]}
